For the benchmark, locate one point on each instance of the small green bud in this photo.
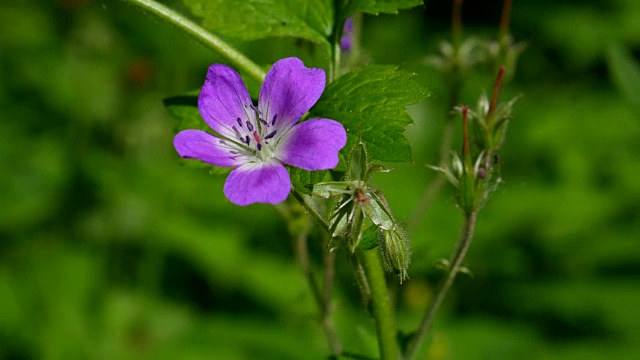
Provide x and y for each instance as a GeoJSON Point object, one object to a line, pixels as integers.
{"type": "Point", "coordinates": [396, 252]}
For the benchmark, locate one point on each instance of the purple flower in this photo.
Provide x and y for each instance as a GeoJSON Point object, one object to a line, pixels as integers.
{"type": "Point", "coordinates": [258, 141]}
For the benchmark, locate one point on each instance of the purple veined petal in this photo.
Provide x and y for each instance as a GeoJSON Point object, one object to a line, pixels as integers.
{"type": "Point", "coordinates": [313, 144]}
{"type": "Point", "coordinates": [266, 182]}
{"type": "Point", "coordinates": [289, 90]}
{"type": "Point", "coordinates": [223, 100]}
{"type": "Point", "coordinates": [197, 144]}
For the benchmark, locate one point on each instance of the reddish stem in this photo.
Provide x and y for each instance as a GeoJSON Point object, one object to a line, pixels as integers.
{"type": "Point", "coordinates": [504, 20]}
{"type": "Point", "coordinates": [456, 21]}
{"type": "Point", "coordinates": [496, 90]}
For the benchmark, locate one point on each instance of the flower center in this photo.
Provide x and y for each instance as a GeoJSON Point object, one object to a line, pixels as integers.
{"type": "Point", "coordinates": [259, 137]}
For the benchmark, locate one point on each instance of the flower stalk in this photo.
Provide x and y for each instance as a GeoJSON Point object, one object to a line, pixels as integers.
{"type": "Point", "coordinates": [504, 20]}
{"type": "Point", "coordinates": [197, 32]}
{"type": "Point", "coordinates": [456, 260]}
{"type": "Point", "coordinates": [322, 295]}
{"type": "Point", "coordinates": [381, 307]}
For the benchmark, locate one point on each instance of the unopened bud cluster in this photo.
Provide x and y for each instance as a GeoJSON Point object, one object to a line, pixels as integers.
{"type": "Point", "coordinates": [475, 172]}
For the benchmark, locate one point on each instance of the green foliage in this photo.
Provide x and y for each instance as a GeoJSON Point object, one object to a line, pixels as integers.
{"type": "Point", "coordinates": [304, 180]}
{"type": "Point", "coordinates": [371, 104]}
{"type": "Point", "coordinates": [259, 19]}
{"type": "Point", "coordinates": [108, 249]}
{"type": "Point", "coordinates": [185, 109]}
{"type": "Point", "coordinates": [625, 71]}
{"type": "Point", "coordinates": [376, 7]}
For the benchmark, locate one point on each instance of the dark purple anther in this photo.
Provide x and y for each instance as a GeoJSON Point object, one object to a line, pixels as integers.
{"type": "Point", "coordinates": [263, 122]}
{"type": "Point", "coordinates": [256, 109]}
{"type": "Point", "coordinates": [239, 122]}
{"type": "Point", "coordinates": [249, 126]}
{"type": "Point", "coordinates": [274, 119]}
{"type": "Point", "coordinates": [273, 133]}
{"type": "Point", "coordinates": [259, 146]}
{"type": "Point", "coordinates": [247, 140]}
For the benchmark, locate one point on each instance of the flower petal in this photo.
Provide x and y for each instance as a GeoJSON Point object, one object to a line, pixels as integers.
{"type": "Point", "coordinates": [266, 182]}
{"type": "Point", "coordinates": [197, 144]}
{"type": "Point", "coordinates": [313, 144]}
{"type": "Point", "coordinates": [223, 99]}
{"type": "Point", "coordinates": [289, 90]}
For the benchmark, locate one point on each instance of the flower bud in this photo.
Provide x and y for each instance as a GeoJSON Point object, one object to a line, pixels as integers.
{"type": "Point", "coordinates": [396, 252]}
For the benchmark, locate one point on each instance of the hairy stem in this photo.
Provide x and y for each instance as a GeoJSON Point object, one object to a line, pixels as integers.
{"type": "Point", "coordinates": [455, 262]}
{"type": "Point", "coordinates": [361, 278]}
{"type": "Point", "coordinates": [235, 57]}
{"type": "Point", "coordinates": [381, 307]}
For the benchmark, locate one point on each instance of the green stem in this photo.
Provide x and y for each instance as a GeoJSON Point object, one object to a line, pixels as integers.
{"type": "Point", "coordinates": [321, 296]}
{"type": "Point", "coordinates": [455, 262]}
{"type": "Point", "coordinates": [381, 307]}
{"type": "Point", "coordinates": [235, 57]}
{"type": "Point", "coordinates": [361, 278]}
{"type": "Point", "coordinates": [329, 275]}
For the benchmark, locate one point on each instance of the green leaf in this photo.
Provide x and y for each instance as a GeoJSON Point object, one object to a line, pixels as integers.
{"type": "Point", "coordinates": [376, 7]}
{"type": "Point", "coordinates": [625, 72]}
{"type": "Point", "coordinates": [303, 180]}
{"type": "Point", "coordinates": [371, 101]}
{"type": "Point", "coordinates": [259, 19]}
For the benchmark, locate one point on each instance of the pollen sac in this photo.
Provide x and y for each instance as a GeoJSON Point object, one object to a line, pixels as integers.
{"type": "Point", "coordinates": [396, 252]}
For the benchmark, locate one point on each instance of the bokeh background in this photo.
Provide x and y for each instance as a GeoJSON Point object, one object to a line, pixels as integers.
{"type": "Point", "coordinates": [109, 249]}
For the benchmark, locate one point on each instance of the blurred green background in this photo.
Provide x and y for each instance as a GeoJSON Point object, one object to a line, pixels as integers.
{"type": "Point", "coordinates": [109, 249]}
